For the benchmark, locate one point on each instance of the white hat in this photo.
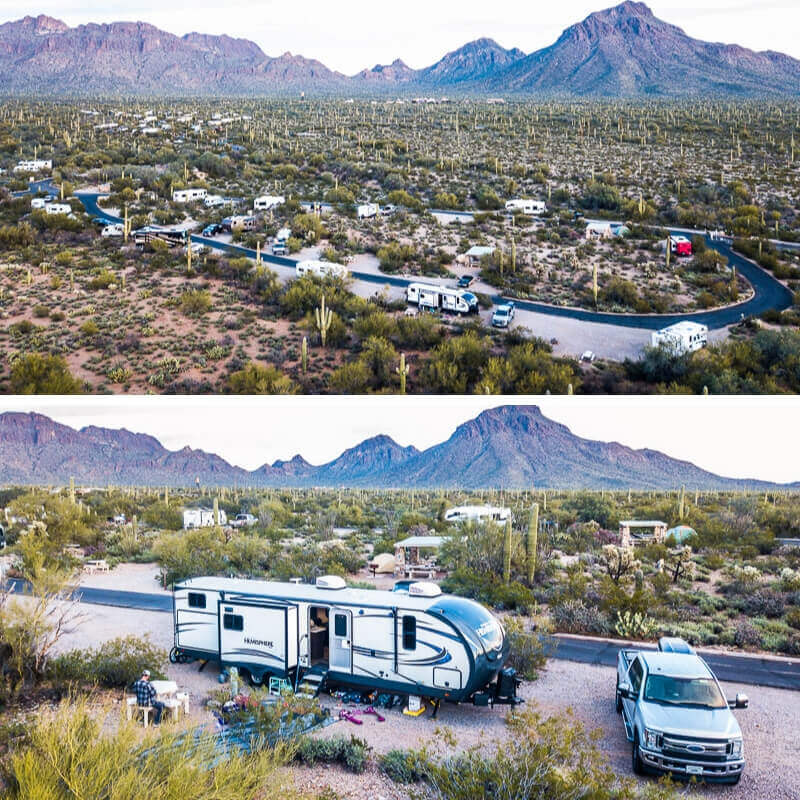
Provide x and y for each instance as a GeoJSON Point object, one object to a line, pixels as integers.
{"type": "Point", "coordinates": [146, 672]}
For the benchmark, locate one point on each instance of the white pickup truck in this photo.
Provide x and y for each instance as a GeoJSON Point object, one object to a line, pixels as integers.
{"type": "Point", "coordinates": [676, 715]}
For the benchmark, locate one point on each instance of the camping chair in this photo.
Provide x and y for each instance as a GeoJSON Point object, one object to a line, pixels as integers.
{"type": "Point", "coordinates": [132, 708]}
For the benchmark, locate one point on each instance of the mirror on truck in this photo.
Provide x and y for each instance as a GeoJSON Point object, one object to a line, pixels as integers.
{"type": "Point", "coordinates": [625, 691]}
{"type": "Point", "coordinates": [741, 701]}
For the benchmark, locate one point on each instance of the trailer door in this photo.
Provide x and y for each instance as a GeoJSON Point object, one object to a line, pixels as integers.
{"type": "Point", "coordinates": [340, 644]}
{"type": "Point", "coordinates": [255, 636]}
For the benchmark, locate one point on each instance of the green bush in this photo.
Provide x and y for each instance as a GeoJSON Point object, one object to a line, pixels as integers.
{"type": "Point", "coordinates": [40, 374]}
{"type": "Point", "coordinates": [351, 753]}
{"type": "Point", "coordinates": [116, 664]}
{"type": "Point", "coordinates": [527, 653]}
{"type": "Point", "coordinates": [403, 766]}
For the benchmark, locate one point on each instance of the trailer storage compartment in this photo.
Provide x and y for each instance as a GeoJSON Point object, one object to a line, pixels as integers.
{"type": "Point", "coordinates": [447, 678]}
{"type": "Point", "coordinates": [258, 636]}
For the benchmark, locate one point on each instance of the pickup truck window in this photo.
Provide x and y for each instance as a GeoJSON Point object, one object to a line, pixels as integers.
{"type": "Point", "coordinates": [700, 692]}
{"type": "Point", "coordinates": [635, 676]}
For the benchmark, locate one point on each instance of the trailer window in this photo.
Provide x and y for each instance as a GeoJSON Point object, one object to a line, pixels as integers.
{"type": "Point", "coordinates": [233, 622]}
{"type": "Point", "coordinates": [340, 625]}
{"type": "Point", "coordinates": [197, 600]}
{"type": "Point", "coordinates": [409, 633]}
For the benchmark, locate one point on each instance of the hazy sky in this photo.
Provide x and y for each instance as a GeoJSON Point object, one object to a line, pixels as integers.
{"type": "Point", "coordinates": [349, 35]}
{"type": "Point", "coordinates": [737, 437]}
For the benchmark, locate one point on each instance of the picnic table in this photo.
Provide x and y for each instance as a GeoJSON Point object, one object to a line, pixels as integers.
{"type": "Point", "coordinates": [96, 565]}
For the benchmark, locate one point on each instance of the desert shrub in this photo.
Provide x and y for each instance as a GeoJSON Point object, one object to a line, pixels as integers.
{"type": "Point", "coordinates": [574, 616]}
{"type": "Point", "coordinates": [553, 758]}
{"type": "Point", "coordinates": [72, 753]}
{"type": "Point", "coordinates": [349, 752]}
{"type": "Point", "coordinates": [746, 635]}
{"type": "Point", "coordinates": [790, 579]}
{"type": "Point", "coordinates": [403, 766]}
{"type": "Point", "coordinates": [526, 650]}
{"type": "Point", "coordinates": [102, 280]}
{"type": "Point", "coordinates": [634, 625]}
{"type": "Point", "coordinates": [114, 665]}
{"type": "Point", "coordinates": [257, 379]}
{"type": "Point", "coordinates": [793, 618]}
{"type": "Point", "coordinates": [195, 302]}
{"type": "Point", "coordinates": [40, 374]}
{"type": "Point", "coordinates": [489, 589]}
{"type": "Point", "coordinates": [763, 603]}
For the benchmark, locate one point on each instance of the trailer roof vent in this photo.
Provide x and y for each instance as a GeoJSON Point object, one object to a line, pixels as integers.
{"type": "Point", "coordinates": [330, 582]}
{"type": "Point", "coordinates": [424, 589]}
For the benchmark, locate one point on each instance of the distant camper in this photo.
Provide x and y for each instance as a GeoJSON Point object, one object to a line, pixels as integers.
{"type": "Point", "coordinates": [58, 208]}
{"type": "Point", "coordinates": [681, 338]}
{"type": "Point", "coordinates": [477, 514]}
{"type": "Point", "coordinates": [202, 518]}
{"type": "Point", "coordinates": [268, 202]}
{"type": "Point", "coordinates": [367, 210]}
{"type": "Point", "coordinates": [529, 207]}
{"type": "Point", "coordinates": [322, 269]}
{"type": "Point", "coordinates": [188, 195]}
{"type": "Point", "coordinates": [239, 223]}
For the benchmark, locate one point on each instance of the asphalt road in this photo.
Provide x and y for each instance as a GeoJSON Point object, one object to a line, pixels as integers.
{"type": "Point", "coordinates": [768, 292]}
{"type": "Point", "coordinates": [779, 673]}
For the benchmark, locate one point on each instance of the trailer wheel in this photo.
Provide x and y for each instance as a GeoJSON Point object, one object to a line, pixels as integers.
{"type": "Point", "coordinates": [256, 680]}
{"type": "Point", "coordinates": [173, 656]}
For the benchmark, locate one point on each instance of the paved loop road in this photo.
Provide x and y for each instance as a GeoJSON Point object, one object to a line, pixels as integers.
{"type": "Point", "coordinates": [769, 293]}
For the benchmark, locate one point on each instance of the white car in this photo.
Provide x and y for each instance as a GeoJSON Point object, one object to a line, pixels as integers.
{"type": "Point", "coordinates": [503, 315]}
{"type": "Point", "coordinates": [588, 356]}
{"type": "Point", "coordinates": [112, 230]}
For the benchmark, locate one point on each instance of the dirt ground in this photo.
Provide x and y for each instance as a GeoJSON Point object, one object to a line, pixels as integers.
{"type": "Point", "coordinates": [769, 725]}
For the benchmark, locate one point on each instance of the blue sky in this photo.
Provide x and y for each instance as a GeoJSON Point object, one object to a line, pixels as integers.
{"type": "Point", "coordinates": [747, 437]}
{"type": "Point", "coordinates": [349, 35]}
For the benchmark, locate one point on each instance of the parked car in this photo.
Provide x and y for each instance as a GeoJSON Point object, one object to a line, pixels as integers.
{"type": "Point", "coordinates": [100, 222]}
{"type": "Point", "coordinates": [113, 230]}
{"type": "Point", "coordinates": [243, 521]}
{"type": "Point", "coordinates": [676, 715]}
{"type": "Point", "coordinates": [587, 356]}
{"type": "Point", "coordinates": [212, 230]}
{"type": "Point", "coordinates": [503, 315]}
{"type": "Point", "coordinates": [465, 281]}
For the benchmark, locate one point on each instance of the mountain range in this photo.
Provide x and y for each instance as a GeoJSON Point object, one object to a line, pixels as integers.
{"type": "Point", "coordinates": [625, 51]}
{"type": "Point", "coordinates": [511, 447]}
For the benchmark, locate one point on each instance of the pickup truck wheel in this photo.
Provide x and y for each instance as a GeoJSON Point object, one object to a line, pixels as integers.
{"type": "Point", "coordinates": [636, 760]}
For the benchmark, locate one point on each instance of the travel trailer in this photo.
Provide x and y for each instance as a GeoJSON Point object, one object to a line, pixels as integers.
{"type": "Point", "coordinates": [188, 195]}
{"type": "Point", "coordinates": [36, 165]}
{"type": "Point", "coordinates": [321, 269]}
{"type": "Point", "coordinates": [682, 337]}
{"type": "Point", "coordinates": [215, 201]}
{"type": "Point", "coordinates": [367, 210]}
{"type": "Point", "coordinates": [530, 207]}
{"type": "Point", "coordinates": [58, 208]}
{"type": "Point", "coordinates": [440, 298]}
{"type": "Point", "coordinates": [420, 642]}
{"type": "Point", "coordinates": [477, 514]}
{"type": "Point", "coordinates": [239, 223]}
{"type": "Point", "coordinates": [202, 518]}
{"type": "Point", "coordinates": [38, 203]}
{"type": "Point", "coordinates": [267, 202]}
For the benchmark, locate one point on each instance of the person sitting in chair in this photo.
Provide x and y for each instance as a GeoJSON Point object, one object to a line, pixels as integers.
{"type": "Point", "coordinates": [146, 696]}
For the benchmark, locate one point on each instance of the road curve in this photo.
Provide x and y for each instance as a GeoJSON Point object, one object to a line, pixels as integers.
{"type": "Point", "coordinates": [778, 673]}
{"type": "Point", "coordinates": [769, 293]}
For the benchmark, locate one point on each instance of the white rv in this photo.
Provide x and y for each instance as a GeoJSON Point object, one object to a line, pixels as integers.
{"type": "Point", "coordinates": [441, 298]}
{"type": "Point", "coordinates": [36, 165]}
{"type": "Point", "coordinates": [188, 195]}
{"type": "Point", "coordinates": [321, 269]}
{"type": "Point", "coordinates": [202, 518]}
{"type": "Point", "coordinates": [115, 229]}
{"type": "Point", "coordinates": [418, 642]}
{"type": "Point", "coordinates": [477, 514]}
{"type": "Point", "coordinates": [367, 210]}
{"type": "Point", "coordinates": [267, 202]}
{"type": "Point", "coordinates": [58, 208]}
{"type": "Point", "coordinates": [681, 338]}
{"type": "Point", "coordinates": [529, 207]}
{"type": "Point", "coordinates": [214, 201]}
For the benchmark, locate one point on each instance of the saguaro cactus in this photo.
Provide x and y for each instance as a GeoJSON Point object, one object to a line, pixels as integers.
{"type": "Point", "coordinates": [72, 490]}
{"type": "Point", "coordinates": [216, 512]}
{"type": "Point", "coordinates": [304, 355]}
{"type": "Point", "coordinates": [594, 283]}
{"type": "Point", "coordinates": [682, 504]}
{"type": "Point", "coordinates": [507, 552]}
{"type": "Point", "coordinates": [532, 542]}
{"type": "Point", "coordinates": [324, 317]}
{"type": "Point", "coordinates": [403, 371]}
